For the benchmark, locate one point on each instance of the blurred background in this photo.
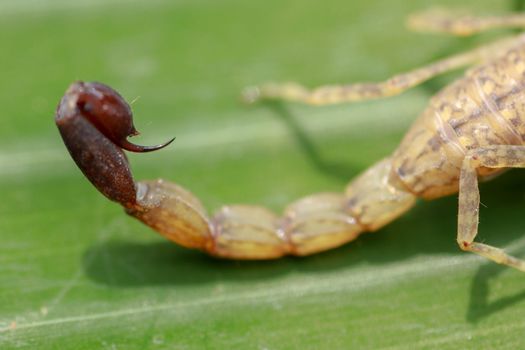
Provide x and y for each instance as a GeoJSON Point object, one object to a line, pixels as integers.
{"type": "Point", "coordinates": [76, 272]}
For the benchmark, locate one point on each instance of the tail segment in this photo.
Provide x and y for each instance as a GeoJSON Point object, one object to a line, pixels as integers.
{"type": "Point", "coordinates": [377, 196]}
{"type": "Point", "coordinates": [312, 224]}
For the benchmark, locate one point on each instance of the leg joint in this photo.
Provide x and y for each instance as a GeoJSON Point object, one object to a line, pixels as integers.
{"type": "Point", "coordinates": [464, 245]}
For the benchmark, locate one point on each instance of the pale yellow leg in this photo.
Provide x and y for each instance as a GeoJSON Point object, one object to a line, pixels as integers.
{"type": "Point", "coordinates": [460, 24]}
{"type": "Point", "coordinates": [332, 94]}
{"type": "Point", "coordinates": [504, 156]}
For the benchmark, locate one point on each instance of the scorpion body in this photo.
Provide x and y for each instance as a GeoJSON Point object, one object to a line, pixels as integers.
{"type": "Point", "coordinates": [472, 129]}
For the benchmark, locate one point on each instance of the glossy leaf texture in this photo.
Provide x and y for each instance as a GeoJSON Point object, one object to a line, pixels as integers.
{"type": "Point", "coordinates": [77, 273]}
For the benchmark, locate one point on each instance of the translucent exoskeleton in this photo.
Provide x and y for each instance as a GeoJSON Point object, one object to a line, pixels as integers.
{"type": "Point", "coordinates": [472, 129]}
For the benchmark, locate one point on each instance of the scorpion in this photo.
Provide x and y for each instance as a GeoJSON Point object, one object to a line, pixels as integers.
{"type": "Point", "coordinates": [472, 130]}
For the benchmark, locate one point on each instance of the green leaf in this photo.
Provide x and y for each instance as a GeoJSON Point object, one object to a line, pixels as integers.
{"type": "Point", "coordinates": [76, 272]}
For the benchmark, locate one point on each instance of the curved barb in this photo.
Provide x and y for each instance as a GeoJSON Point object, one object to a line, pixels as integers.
{"type": "Point", "coordinates": [128, 146]}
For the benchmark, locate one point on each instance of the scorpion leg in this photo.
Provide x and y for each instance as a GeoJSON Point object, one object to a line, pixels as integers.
{"type": "Point", "coordinates": [502, 156]}
{"type": "Point", "coordinates": [333, 94]}
{"type": "Point", "coordinates": [455, 23]}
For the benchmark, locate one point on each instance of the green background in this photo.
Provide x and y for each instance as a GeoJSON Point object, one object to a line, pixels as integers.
{"type": "Point", "coordinates": [75, 272]}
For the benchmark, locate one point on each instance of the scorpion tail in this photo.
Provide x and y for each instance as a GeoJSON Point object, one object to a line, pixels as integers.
{"type": "Point", "coordinates": [309, 225]}
{"type": "Point", "coordinates": [94, 121]}
{"type": "Point", "coordinates": [312, 224]}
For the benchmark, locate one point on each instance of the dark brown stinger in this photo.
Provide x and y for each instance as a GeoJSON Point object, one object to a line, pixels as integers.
{"type": "Point", "coordinates": [95, 122]}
